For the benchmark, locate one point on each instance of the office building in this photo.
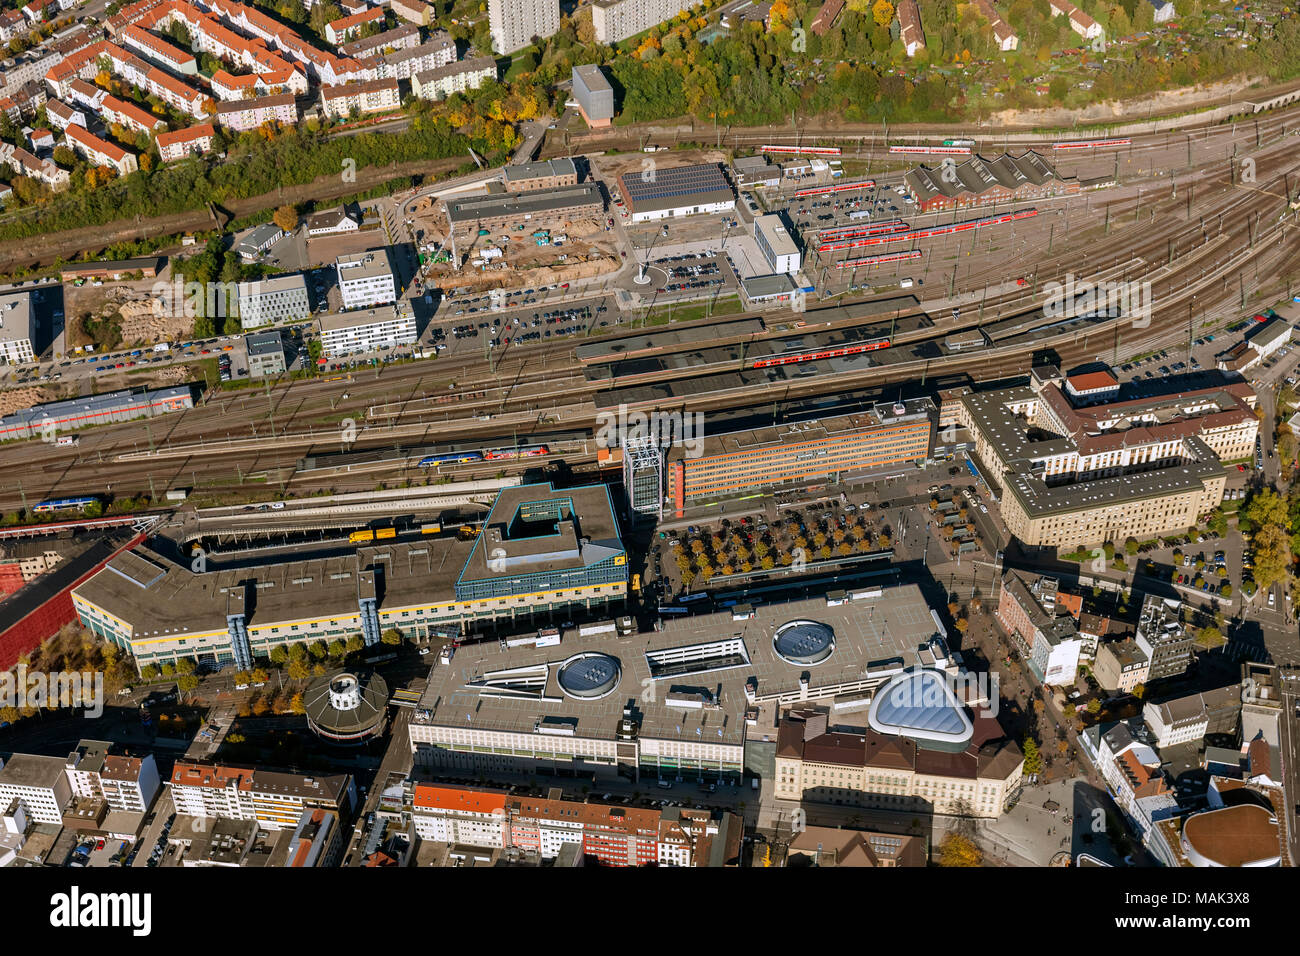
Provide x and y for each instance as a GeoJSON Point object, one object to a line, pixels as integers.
{"type": "Point", "coordinates": [17, 328]}
{"type": "Point", "coordinates": [366, 279]}
{"type": "Point", "coordinates": [798, 452]}
{"type": "Point", "coordinates": [1162, 637]}
{"type": "Point", "coordinates": [40, 784]}
{"type": "Point", "coordinates": [614, 834]}
{"type": "Point", "coordinates": [265, 354]}
{"type": "Point", "coordinates": [643, 475]}
{"type": "Point", "coordinates": [757, 171]}
{"type": "Point", "coordinates": [543, 552]}
{"type": "Point", "coordinates": [548, 174]}
{"type": "Point", "coordinates": [594, 95]}
{"type": "Point", "coordinates": [1108, 471]}
{"type": "Point", "coordinates": [274, 800]}
{"type": "Point", "coordinates": [1194, 717]}
{"type": "Point", "coordinates": [273, 301]}
{"type": "Point", "coordinates": [718, 679]}
{"type": "Point", "coordinates": [775, 241]}
{"type": "Point", "coordinates": [258, 240]}
{"type": "Point", "coordinates": [1050, 642]}
{"type": "Point", "coordinates": [366, 330]}
{"type": "Point", "coordinates": [514, 23]}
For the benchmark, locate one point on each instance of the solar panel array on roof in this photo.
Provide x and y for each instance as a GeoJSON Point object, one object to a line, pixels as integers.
{"type": "Point", "coordinates": [677, 181]}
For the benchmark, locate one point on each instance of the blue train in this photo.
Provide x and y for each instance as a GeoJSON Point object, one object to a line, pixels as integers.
{"type": "Point", "coordinates": [64, 504]}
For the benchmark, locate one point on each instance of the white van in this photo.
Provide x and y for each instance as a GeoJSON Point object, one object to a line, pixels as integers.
{"type": "Point", "coordinates": [905, 284]}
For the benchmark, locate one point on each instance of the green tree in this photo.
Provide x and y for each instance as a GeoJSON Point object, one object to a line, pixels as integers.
{"type": "Point", "coordinates": [1209, 638]}
{"type": "Point", "coordinates": [957, 850]}
{"type": "Point", "coordinates": [1033, 760]}
{"type": "Point", "coordinates": [391, 636]}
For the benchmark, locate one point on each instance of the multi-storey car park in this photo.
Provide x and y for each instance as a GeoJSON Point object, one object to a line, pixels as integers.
{"type": "Point", "coordinates": [542, 550]}
{"type": "Point", "coordinates": [699, 697]}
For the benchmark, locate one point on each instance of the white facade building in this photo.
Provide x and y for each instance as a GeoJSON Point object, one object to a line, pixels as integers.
{"type": "Point", "coordinates": [40, 783]}
{"type": "Point", "coordinates": [366, 279]}
{"type": "Point", "coordinates": [616, 20]}
{"type": "Point", "coordinates": [350, 332]}
{"type": "Point", "coordinates": [514, 23]}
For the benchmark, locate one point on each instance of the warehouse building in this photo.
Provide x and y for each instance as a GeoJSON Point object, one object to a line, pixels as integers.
{"type": "Point", "coordinates": [661, 193]}
{"type": "Point", "coordinates": [360, 331]}
{"type": "Point", "coordinates": [594, 95]}
{"type": "Point", "coordinates": [366, 279]}
{"type": "Point", "coordinates": [265, 354]}
{"type": "Point", "coordinates": [505, 210]}
{"type": "Point", "coordinates": [799, 453]}
{"type": "Point", "coordinates": [542, 551]}
{"type": "Point", "coordinates": [121, 406]}
{"type": "Point", "coordinates": [532, 177]}
{"type": "Point", "coordinates": [982, 182]}
{"type": "Point", "coordinates": [719, 682]}
{"type": "Point", "coordinates": [273, 301]}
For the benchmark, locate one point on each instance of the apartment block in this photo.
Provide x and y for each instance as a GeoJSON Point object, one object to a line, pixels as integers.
{"type": "Point", "coordinates": [99, 152]}
{"type": "Point", "coordinates": [514, 23]}
{"type": "Point", "coordinates": [375, 96]}
{"type": "Point", "coordinates": [1121, 666]}
{"type": "Point", "coordinates": [1027, 610]}
{"type": "Point", "coordinates": [616, 20]}
{"type": "Point", "coordinates": [469, 74]}
{"type": "Point", "coordinates": [245, 115]}
{"type": "Point", "coordinates": [191, 141]}
{"type": "Point", "coordinates": [125, 783]}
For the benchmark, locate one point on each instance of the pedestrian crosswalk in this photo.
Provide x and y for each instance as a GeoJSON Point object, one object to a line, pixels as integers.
{"type": "Point", "coordinates": [1241, 651]}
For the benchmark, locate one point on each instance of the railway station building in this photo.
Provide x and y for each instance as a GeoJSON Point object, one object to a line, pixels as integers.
{"type": "Point", "coordinates": [542, 551]}
{"type": "Point", "coordinates": [983, 182]}
{"type": "Point", "coordinates": [1072, 475]}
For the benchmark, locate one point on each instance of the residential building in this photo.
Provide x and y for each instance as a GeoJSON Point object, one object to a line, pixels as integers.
{"type": "Point", "coordinates": [1131, 769]}
{"type": "Point", "coordinates": [265, 354]}
{"type": "Point", "coordinates": [1162, 637]}
{"type": "Point", "coordinates": [343, 29]}
{"type": "Point", "coordinates": [274, 800]}
{"type": "Point", "coordinates": [374, 96]}
{"type": "Point", "coordinates": [1121, 666]}
{"type": "Point", "coordinates": [548, 174]}
{"type": "Point", "coordinates": [245, 115]}
{"type": "Point", "coordinates": [404, 37]}
{"type": "Point", "coordinates": [333, 222]}
{"type": "Point", "coordinates": [413, 11]}
{"type": "Point", "coordinates": [438, 51]}
{"type": "Point", "coordinates": [273, 301]}
{"type": "Point", "coordinates": [191, 141]}
{"type": "Point", "coordinates": [594, 94]}
{"type": "Point", "coordinates": [1080, 22]}
{"type": "Point", "coordinates": [60, 115]}
{"type": "Point", "coordinates": [17, 328]}
{"type": "Point", "coordinates": [99, 152]}
{"type": "Point", "coordinates": [317, 840]}
{"type": "Point", "coordinates": [614, 834]}
{"type": "Point", "coordinates": [514, 23]}
{"type": "Point", "coordinates": [38, 783]}
{"type": "Point", "coordinates": [1164, 10]}
{"type": "Point", "coordinates": [366, 279]}
{"type": "Point", "coordinates": [1049, 642]}
{"type": "Point", "coordinates": [909, 27]}
{"type": "Point", "coordinates": [616, 20]}
{"type": "Point", "coordinates": [1003, 35]}
{"type": "Point", "coordinates": [160, 51]}
{"type": "Point", "coordinates": [129, 116]}
{"type": "Point", "coordinates": [127, 784]}
{"type": "Point", "coordinates": [363, 330]}
{"type": "Point", "coordinates": [826, 16]}
{"type": "Point", "coordinates": [469, 74]}
{"type": "Point", "coordinates": [24, 163]}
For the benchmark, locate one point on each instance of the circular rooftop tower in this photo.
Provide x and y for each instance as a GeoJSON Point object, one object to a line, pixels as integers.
{"type": "Point", "coordinates": [589, 676]}
{"type": "Point", "coordinates": [347, 708]}
{"type": "Point", "coordinates": [804, 643]}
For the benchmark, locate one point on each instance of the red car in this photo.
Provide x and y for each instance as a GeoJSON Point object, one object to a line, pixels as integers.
{"type": "Point", "coordinates": [1022, 282]}
{"type": "Point", "coordinates": [1241, 467]}
{"type": "Point", "coordinates": [99, 844]}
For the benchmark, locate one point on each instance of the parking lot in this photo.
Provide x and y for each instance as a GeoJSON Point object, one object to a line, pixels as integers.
{"type": "Point", "coordinates": [488, 322]}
